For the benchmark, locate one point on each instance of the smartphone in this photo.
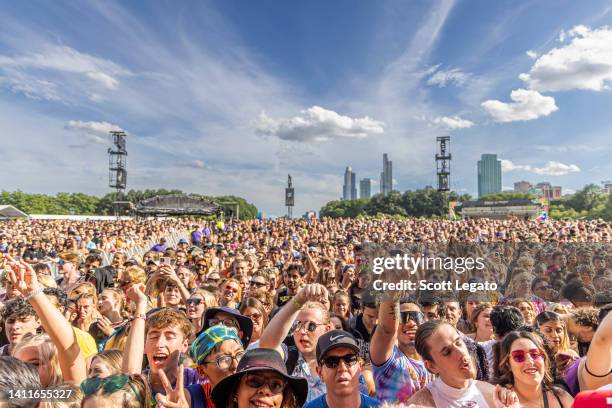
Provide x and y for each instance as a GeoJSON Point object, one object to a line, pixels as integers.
{"type": "Point", "coordinates": [166, 260]}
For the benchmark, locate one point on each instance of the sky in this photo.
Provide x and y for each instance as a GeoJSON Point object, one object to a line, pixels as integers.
{"type": "Point", "coordinates": [230, 96]}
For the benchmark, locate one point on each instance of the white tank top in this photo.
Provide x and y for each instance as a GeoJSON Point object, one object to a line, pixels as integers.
{"type": "Point", "coordinates": [447, 396]}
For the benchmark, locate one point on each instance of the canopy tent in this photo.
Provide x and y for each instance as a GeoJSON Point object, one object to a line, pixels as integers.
{"type": "Point", "coordinates": [8, 211]}
{"type": "Point", "coordinates": [176, 204]}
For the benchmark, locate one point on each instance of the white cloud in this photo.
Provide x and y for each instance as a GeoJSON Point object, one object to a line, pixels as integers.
{"type": "Point", "coordinates": [97, 132]}
{"type": "Point", "coordinates": [551, 168]}
{"type": "Point", "coordinates": [508, 165]}
{"type": "Point", "coordinates": [584, 63]}
{"type": "Point", "coordinates": [555, 168]}
{"type": "Point", "coordinates": [453, 122]}
{"type": "Point", "coordinates": [65, 60]}
{"type": "Point", "coordinates": [525, 105]}
{"type": "Point", "coordinates": [198, 164]}
{"type": "Point", "coordinates": [443, 77]}
{"type": "Point", "coordinates": [531, 54]}
{"type": "Point", "coordinates": [318, 124]}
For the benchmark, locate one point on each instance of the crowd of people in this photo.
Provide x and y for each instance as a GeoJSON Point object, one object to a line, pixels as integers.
{"type": "Point", "coordinates": [284, 313]}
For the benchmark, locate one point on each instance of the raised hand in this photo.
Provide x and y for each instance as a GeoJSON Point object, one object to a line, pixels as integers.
{"type": "Point", "coordinates": [136, 293]}
{"type": "Point", "coordinates": [175, 397]}
{"type": "Point", "coordinates": [312, 292]}
{"type": "Point", "coordinates": [22, 276]}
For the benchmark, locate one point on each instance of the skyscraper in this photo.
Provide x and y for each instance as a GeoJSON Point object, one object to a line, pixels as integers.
{"type": "Point", "coordinates": [386, 177]}
{"type": "Point", "coordinates": [489, 175]}
{"type": "Point", "coordinates": [365, 188]}
{"type": "Point", "coordinates": [349, 190]}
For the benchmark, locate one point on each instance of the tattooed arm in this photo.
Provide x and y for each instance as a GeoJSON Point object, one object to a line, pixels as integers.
{"type": "Point", "coordinates": [385, 334]}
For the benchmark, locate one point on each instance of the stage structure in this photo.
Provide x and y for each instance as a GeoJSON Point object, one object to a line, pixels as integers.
{"type": "Point", "coordinates": [443, 163]}
{"type": "Point", "coordinates": [117, 169]}
{"type": "Point", "coordinates": [289, 197]}
{"type": "Point", "coordinates": [176, 205]}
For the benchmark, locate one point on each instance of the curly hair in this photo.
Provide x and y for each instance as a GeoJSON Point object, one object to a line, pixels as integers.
{"type": "Point", "coordinates": [586, 317]}
{"type": "Point", "coordinates": [18, 308]}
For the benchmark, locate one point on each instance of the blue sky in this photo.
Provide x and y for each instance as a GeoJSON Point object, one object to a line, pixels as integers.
{"type": "Point", "coordinates": [227, 97]}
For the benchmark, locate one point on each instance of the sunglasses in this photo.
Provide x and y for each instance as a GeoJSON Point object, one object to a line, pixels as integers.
{"type": "Point", "coordinates": [109, 385]}
{"type": "Point", "coordinates": [520, 356]}
{"type": "Point", "coordinates": [226, 322]}
{"type": "Point", "coordinates": [194, 301]}
{"type": "Point", "coordinates": [276, 385]}
{"type": "Point", "coordinates": [257, 284]}
{"type": "Point", "coordinates": [544, 287]}
{"type": "Point", "coordinates": [225, 361]}
{"type": "Point", "coordinates": [310, 326]}
{"type": "Point", "coordinates": [334, 361]}
{"type": "Point", "coordinates": [416, 317]}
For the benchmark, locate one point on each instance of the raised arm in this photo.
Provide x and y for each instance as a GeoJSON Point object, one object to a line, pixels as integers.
{"type": "Point", "coordinates": [599, 357]}
{"type": "Point", "coordinates": [134, 346]}
{"type": "Point", "coordinates": [278, 328]}
{"type": "Point", "coordinates": [385, 335]}
{"type": "Point", "coordinates": [71, 361]}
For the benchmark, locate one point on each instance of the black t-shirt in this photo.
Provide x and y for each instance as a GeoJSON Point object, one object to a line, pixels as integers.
{"type": "Point", "coordinates": [283, 297]}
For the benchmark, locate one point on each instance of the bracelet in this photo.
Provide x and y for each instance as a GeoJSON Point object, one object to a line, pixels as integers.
{"type": "Point", "coordinates": [297, 305]}
{"type": "Point", "coordinates": [595, 375]}
{"type": "Point", "coordinates": [35, 293]}
{"type": "Point", "coordinates": [140, 316]}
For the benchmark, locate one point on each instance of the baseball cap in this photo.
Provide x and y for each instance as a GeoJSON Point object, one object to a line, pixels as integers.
{"type": "Point", "coordinates": [601, 398]}
{"type": "Point", "coordinates": [334, 339]}
{"type": "Point", "coordinates": [183, 241]}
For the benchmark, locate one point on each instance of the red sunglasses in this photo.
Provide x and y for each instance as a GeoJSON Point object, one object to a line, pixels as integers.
{"type": "Point", "coordinates": [520, 355]}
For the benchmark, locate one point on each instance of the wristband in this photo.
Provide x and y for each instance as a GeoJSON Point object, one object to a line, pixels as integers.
{"type": "Point", "coordinates": [35, 293]}
{"type": "Point", "coordinates": [140, 316]}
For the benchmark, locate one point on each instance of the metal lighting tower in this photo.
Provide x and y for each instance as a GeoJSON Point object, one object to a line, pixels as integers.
{"type": "Point", "coordinates": [117, 168]}
{"type": "Point", "coordinates": [289, 197]}
{"type": "Point", "coordinates": [443, 163]}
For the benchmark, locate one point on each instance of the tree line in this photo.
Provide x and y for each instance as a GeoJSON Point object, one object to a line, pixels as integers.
{"type": "Point", "coordinates": [84, 204]}
{"type": "Point", "coordinates": [587, 203]}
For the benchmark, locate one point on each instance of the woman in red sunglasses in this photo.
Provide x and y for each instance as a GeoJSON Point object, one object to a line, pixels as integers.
{"type": "Point", "coordinates": [524, 368]}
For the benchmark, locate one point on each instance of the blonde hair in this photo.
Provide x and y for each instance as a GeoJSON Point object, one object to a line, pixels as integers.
{"type": "Point", "coordinates": [210, 300]}
{"type": "Point", "coordinates": [84, 288]}
{"type": "Point", "coordinates": [113, 358]}
{"type": "Point", "coordinates": [47, 281]}
{"type": "Point", "coordinates": [321, 307]}
{"type": "Point", "coordinates": [47, 353]}
{"type": "Point", "coordinates": [136, 274]}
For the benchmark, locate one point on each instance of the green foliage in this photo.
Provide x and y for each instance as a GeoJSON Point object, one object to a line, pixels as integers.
{"type": "Point", "coordinates": [83, 204]}
{"type": "Point", "coordinates": [589, 202]}
{"type": "Point", "coordinates": [426, 202]}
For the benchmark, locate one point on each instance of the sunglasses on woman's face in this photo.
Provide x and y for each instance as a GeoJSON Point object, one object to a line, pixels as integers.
{"type": "Point", "coordinates": [193, 301]}
{"type": "Point", "coordinates": [276, 385]}
{"type": "Point", "coordinates": [334, 361]}
{"type": "Point", "coordinates": [109, 385]}
{"type": "Point", "coordinates": [257, 284]}
{"type": "Point", "coordinates": [520, 356]}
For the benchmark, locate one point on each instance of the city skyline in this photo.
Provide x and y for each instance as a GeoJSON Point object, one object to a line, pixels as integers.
{"type": "Point", "coordinates": [226, 98]}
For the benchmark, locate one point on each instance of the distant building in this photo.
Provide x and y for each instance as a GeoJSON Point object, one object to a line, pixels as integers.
{"type": "Point", "coordinates": [548, 191]}
{"type": "Point", "coordinates": [365, 188]}
{"type": "Point", "coordinates": [522, 187]}
{"type": "Point", "coordinates": [606, 187]}
{"type": "Point", "coordinates": [386, 177]}
{"type": "Point", "coordinates": [489, 175]}
{"type": "Point", "coordinates": [349, 190]}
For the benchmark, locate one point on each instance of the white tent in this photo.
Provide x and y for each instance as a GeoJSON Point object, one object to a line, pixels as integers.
{"type": "Point", "coordinates": [8, 211]}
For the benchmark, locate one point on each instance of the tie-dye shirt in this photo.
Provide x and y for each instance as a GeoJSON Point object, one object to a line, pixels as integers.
{"type": "Point", "coordinates": [400, 377]}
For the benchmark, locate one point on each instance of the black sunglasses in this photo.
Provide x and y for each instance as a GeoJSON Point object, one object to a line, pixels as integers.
{"type": "Point", "coordinates": [416, 317]}
{"type": "Point", "coordinates": [193, 301]}
{"type": "Point", "coordinates": [334, 361]}
{"type": "Point", "coordinates": [310, 326]}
